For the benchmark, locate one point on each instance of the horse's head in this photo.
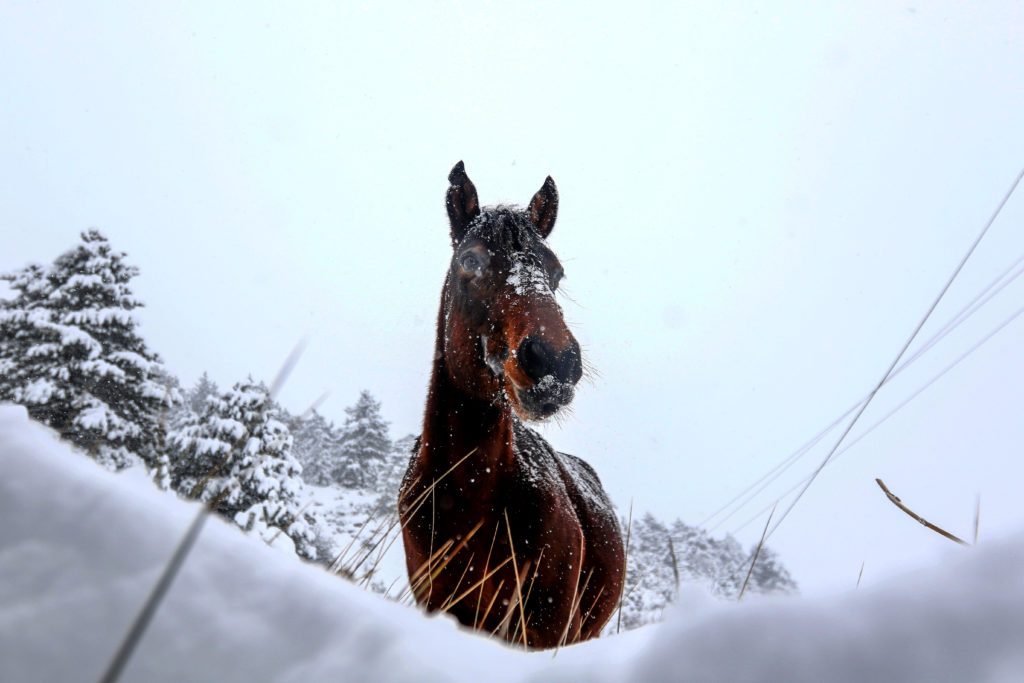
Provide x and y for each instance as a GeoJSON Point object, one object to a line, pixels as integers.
{"type": "Point", "coordinates": [504, 331]}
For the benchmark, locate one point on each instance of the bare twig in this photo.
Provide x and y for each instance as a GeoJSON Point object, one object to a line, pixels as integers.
{"type": "Point", "coordinates": [899, 503]}
{"type": "Point", "coordinates": [861, 575]}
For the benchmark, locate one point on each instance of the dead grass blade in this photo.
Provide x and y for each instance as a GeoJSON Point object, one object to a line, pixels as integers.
{"type": "Point", "coordinates": [494, 597]}
{"type": "Point", "coordinates": [421, 498]}
{"type": "Point", "coordinates": [586, 615]}
{"type": "Point", "coordinates": [519, 580]}
{"type": "Point", "coordinates": [924, 522]}
{"type": "Point", "coordinates": [757, 552]}
{"type": "Point", "coordinates": [622, 591]}
{"type": "Point", "coordinates": [576, 607]}
{"type": "Point", "coordinates": [575, 589]}
{"type": "Point", "coordinates": [487, 564]}
{"type": "Point", "coordinates": [476, 585]}
{"type": "Point", "coordinates": [977, 518]}
{"type": "Point", "coordinates": [675, 563]}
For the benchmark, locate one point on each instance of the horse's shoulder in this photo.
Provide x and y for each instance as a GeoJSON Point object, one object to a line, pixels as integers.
{"type": "Point", "coordinates": [575, 474]}
{"type": "Point", "coordinates": [585, 480]}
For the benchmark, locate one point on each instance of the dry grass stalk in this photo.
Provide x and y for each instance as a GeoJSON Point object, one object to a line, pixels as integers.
{"type": "Point", "coordinates": [600, 592]}
{"type": "Point", "coordinates": [576, 607]}
{"type": "Point", "coordinates": [421, 498]}
{"type": "Point", "coordinates": [517, 602]}
{"type": "Point", "coordinates": [448, 558]}
{"type": "Point", "coordinates": [764, 534]}
{"type": "Point", "coordinates": [448, 605]}
{"type": "Point", "coordinates": [675, 563]}
{"type": "Point", "coordinates": [622, 592]}
{"type": "Point", "coordinates": [977, 518]}
{"type": "Point", "coordinates": [924, 522]}
{"type": "Point", "coordinates": [378, 545]}
{"type": "Point", "coordinates": [494, 597]}
{"type": "Point", "coordinates": [536, 570]}
{"type": "Point", "coordinates": [575, 590]}
{"type": "Point", "coordinates": [487, 564]}
{"type": "Point", "coordinates": [337, 564]}
{"type": "Point", "coordinates": [425, 570]}
{"type": "Point", "coordinates": [177, 559]}
{"type": "Point", "coordinates": [861, 575]}
{"type": "Point", "coordinates": [519, 580]}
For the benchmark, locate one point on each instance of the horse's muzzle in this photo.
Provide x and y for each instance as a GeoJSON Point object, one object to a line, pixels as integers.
{"type": "Point", "coordinates": [545, 397]}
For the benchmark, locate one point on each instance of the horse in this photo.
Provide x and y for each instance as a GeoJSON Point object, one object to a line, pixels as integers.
{"type": "Point", "coordinates": [500, 530]}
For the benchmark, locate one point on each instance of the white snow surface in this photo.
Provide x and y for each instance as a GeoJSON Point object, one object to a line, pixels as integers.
{"type": "Point", "coordinates": [80, 548]}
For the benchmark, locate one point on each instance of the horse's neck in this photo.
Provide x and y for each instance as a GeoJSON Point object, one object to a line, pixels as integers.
{"type": "Point", "coordinates": [456, 424]}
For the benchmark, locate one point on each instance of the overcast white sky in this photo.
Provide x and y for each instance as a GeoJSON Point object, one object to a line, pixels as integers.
{"type": "Point", "coordinates": [757, 206]}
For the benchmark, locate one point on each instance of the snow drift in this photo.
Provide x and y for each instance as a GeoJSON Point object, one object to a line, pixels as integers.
{"type": "Point", "coordinates": [81, 547]}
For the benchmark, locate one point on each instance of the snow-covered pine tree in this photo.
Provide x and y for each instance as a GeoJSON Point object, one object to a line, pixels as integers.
{"type": "Point", "coordinates": [197, 395]}
{"type": "Point", "coordinates": [316, 448]}
{"type": "Point", "coordinates": [364, 445]}
{"type": "Point", "coordinates": [769, 575]}
{"type": "Point", "coordinates": [650, 580]}
{"type": "Point", "coordinates": [168, 415]}
{"type": "Point", "coordinates": [660, 553]}
{"type": "Point", "coordinates": [237, 456]}
{"type": "Point", "coordinates": [72, 355]}
{"type": "Point", "coordinates": [389, 480]}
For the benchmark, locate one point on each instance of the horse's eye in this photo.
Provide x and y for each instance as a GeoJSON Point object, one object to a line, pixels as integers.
{"type": "Point", "coordinates": [471, 262]}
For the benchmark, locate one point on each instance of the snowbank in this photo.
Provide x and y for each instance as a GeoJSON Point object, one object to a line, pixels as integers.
{"type": "Point", "coordinates": [80, 548]}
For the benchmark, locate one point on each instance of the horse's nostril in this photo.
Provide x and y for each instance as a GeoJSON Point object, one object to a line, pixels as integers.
{"type": "Point", "coordinates": [571, 364]}
{"type": "Point", "coordinates": [539, 360]}
{"type": "Point", "coordinates": [548, 409]}
{"type": "Point", "coordinates": [536, 358]}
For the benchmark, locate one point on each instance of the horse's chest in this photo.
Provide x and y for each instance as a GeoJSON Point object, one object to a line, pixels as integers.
{"type": "Point", "coordinates": [528, 498]}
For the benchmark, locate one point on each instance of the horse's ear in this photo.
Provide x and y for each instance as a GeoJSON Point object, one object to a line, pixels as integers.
{"type": "Point", "coordinates": [544, 208]}
{"type": "Point", "coordinates": [463, 205]}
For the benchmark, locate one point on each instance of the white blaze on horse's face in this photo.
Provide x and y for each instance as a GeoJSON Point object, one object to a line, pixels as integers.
{"type": "Point", "coordinates": [501, 298]}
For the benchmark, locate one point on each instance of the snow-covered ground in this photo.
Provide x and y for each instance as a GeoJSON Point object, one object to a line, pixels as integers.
{"type": "Point", "coordinates": [365, 543]}
{"type": "Point", "coordinates": [80, 549]}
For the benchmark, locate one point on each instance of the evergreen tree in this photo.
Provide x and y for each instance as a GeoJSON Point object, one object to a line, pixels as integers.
{"type": "Point", "coordinates": [170, 413]}
{"type": "Point", "coordinates": [661, 557]}
{"type": "Point", "coordinates": [71, 353]}
{"type": "Point", "coordinates": [198, 395]}
{"type": "Point", "coordinates": [389, 479]}
{"type": "Point", "coordinates": [237, 456]}
{"type": "Point", "coordinates": [316, 448]}
{"type": "Point", "coordinates": [364, 446]}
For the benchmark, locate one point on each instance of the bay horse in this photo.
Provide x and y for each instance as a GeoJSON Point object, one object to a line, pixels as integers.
{"type": "Point", "coordinates": [500, 530]}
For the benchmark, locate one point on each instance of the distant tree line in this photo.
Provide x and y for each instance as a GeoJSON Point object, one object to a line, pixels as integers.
{"type": "Point", "coordinates": [662, 557]}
